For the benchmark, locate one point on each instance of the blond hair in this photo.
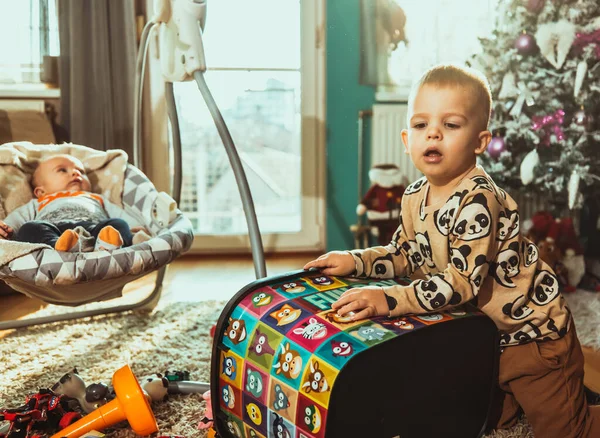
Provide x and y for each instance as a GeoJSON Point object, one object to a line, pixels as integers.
{"type": "Point", "coordinates": [453, 75]}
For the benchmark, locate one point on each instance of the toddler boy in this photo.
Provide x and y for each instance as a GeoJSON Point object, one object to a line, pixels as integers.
{"type": "Point", "coordinates": [458, 239]}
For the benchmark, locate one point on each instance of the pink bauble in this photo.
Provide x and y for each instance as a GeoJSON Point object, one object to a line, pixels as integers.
{"type": "Point", "coordinates": [496, 147]}
{"type": "Point", "coordinates": [525, 44]}
{"type": "Point", "coordinates": [535, 6]}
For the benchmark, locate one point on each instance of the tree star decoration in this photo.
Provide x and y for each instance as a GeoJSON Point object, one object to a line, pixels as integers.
{"type": "Point", "coordinates": [551, 123]}
{"type": "Point", "coordinates": [525, 96]}
{"type": "Point", "coordinates": [555, 41]}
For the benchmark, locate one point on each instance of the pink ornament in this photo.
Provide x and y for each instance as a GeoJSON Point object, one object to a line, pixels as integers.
{"type": "Point", "coordinates": [535, 6]}
{"type": "Point", "coordinates": [550, 124]}
{"type": "Point", "coordinates": [496, 147]}
{"type": "Point", "coordinates": [525, 44]}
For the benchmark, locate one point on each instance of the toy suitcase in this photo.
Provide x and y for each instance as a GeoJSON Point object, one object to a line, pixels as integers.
{"type": "Point", "coordinates": [285, 365]}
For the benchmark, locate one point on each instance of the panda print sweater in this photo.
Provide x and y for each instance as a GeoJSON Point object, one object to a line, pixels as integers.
{"type": "Point", "coordinates": [467, 247]}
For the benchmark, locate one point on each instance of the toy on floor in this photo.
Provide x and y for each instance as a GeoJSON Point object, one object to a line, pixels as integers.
{"type": "Point", "coordinates": [207, 421]}
{"type": "Point", "coordinates": [43, 412]}
{"type": "Point", "coordinates": [129, 404]}
{"type": "Point", "coordinates": [89, 397]}
{"type": "Point", "coordinates": [159, 387]}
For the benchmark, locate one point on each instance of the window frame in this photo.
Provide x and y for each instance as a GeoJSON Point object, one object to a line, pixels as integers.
{"type": "Point", "coordinates": [311, 236]}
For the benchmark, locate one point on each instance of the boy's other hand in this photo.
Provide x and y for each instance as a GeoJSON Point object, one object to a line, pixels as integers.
{"type": "Point", "coordinates": [334, 263]}
{"type": "Point", "coordinates": [5, 231]}
{"type": "Point", "coordinates": [365, 302]}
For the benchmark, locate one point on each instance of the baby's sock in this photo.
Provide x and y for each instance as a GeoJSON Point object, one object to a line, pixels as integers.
{"type": "Point", "coordinates": [108, 239]}
{"type": "Point", "coordinates": [68, 242]}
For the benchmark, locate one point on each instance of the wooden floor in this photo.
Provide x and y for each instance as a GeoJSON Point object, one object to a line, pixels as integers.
{"type": "Point", "coordinates": [199, 278]}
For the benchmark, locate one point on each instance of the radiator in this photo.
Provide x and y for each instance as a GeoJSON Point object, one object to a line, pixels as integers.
{"type": "Point", "coordinates": [386, 143]}
{"type": "Point", "coordinates": [387, 148]}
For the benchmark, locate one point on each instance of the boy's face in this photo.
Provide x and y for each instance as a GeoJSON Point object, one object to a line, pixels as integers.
{"type": "Point", "coordinates": [445, 133]}
{"type": "Point", "coordinates": [59, 174]}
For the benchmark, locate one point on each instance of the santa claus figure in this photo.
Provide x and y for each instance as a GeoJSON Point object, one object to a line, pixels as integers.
{"type": "Point", "coordinates": [382, 201]}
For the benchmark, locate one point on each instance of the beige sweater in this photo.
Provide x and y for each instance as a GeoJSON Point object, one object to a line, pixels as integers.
{"type": "Point", "coordinates": [467, 247]}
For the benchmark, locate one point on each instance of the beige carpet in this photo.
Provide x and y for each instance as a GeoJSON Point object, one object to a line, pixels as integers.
{"type": "Point", "coordinates": [173, 337]}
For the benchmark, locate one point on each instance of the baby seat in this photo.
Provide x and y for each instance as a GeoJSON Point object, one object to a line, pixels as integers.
{"type": "Point", "coordinates": [284, 364]}
{"type": "Point", "coordinates": [73, 279]}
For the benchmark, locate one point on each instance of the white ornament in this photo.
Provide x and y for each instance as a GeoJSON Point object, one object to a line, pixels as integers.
{"type": "Point", "coordinates": [579, 77]}
{"type": "Point", "coordinates": [573, 187]}
{"type": "Point", "coordinates": [525, 96]}
{"type": "Point", "coordinates": [509, 86]}
{"type": "Point", "coordinates": [555, 41]}
{"type": "Point", "coordinates": [531, 160]}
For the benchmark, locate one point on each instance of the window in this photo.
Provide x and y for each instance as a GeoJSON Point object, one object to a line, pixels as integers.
{"type": "Point", "coordinates": [266, 76]}
{"type": "Point", "coordinates": [437, 31]}
{"type": "Point", "coordinates": [28, 31]}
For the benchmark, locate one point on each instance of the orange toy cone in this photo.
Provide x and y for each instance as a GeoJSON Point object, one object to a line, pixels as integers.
{"type": "Point", "coordinates": [130, 404]}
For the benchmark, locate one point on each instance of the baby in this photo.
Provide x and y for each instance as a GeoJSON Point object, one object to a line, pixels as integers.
{"type": "Point", "coordinates": [63, 208]}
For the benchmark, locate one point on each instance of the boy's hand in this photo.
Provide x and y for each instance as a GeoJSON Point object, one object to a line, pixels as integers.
{"type": "Point", "coordinates": [334, 263]}
{"type": "Point", "coordinates": [365, 302]}
{"type": "Point", "coordinates": [5, 231]}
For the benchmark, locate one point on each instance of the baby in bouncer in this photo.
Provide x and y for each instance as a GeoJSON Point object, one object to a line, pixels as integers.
{"type": "Point", "coordinates": [65, 214]}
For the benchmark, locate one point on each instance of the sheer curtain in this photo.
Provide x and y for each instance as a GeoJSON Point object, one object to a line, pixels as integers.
{"type": "Point", "coordinates": [97, 71]}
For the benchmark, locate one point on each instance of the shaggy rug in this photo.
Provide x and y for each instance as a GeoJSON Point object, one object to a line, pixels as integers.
{"type": "Point", "coordinates": [175, 336]}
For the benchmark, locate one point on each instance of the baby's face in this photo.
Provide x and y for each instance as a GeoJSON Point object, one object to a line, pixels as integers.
{"type": "Point", "coordinates": [59, 174]}
{"type": "Point", "coordinates": [445, 133]}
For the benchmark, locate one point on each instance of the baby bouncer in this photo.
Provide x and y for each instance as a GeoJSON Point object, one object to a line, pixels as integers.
{"type": "Point", "coordinates": [74, 279]}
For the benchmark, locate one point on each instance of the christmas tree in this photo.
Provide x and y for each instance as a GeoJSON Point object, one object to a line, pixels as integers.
{"type": "Point", "coordinates": [543, 63]}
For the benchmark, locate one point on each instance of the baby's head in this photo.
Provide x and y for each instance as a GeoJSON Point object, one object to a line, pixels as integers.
{"type": "Point", "coordinates": [59, 173]}
{"type": "Point", "coordinates": [448, 114]}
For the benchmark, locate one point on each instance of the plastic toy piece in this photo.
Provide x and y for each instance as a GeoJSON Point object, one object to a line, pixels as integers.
{"type": "Point", "coordinates": [89, 398]}
{"type": "Point", "coordinates": [43, 412]}
{"type": "Point", "coordinates": [130, 404]}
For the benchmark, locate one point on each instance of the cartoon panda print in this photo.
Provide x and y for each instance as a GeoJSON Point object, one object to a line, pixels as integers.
{"type": "Point", "coordinates": [508, 224]}
{"type": "Point", "coordinates": [383, 267]}
{"type": "Point", "coordinates": [432, 294]}
{"type": "Point", "coordinates": [544, 288]}
{"type": "Point", "coordinates": [474, 220]}
{"type": "Point", "coordinates": [422, 214]}
{"type": "Point", "coordinates": [458, 257]}
{"type": "Point", "coordinates": [518, 309]}
{"type": "Point", "coordinates": [481, 182]}
{"type": "Point", "coordinates": [415, 187]}
{"type": "Point", "coordinates": [413, 255]}
{"type": "Point", "coordinates": [480, 271]}
{"type": "Point", "coordinates": [444, 217]}
{"type": "Point", "coordinates": [424, 248]}
{"type": "Point", "coordinates": [530, 253]}
{"type": "Point", "coordinates": [506, 265]}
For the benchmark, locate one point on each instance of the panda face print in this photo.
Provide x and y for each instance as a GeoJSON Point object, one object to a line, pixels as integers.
{"type": "Point", "coordinates": [517, 310]}
{"type": "Point", "coordinates": [545, 288]}
{"type": "Point", "coordinates": [431, 294]}
{"type": "Point", "coordinates": [506, 265]}
{"type": "Point", "coordinates": [481, 182]}
{"type": "Point", "coordinates": [444, 217]}
{"type": "Point", "coordinates": [480, 271]}
{"type": "Point", "coordinates": [508, 225]}
{"type": "Point", "coordinates": [530, 253]}
{"type": "Point", "coordinates": [415, 187]}
{"type": "Point", "coordinates": [458, 257]}
{"type": "Point", "coordinates": [383, 267]}
{"type": "Point", "coordinates": [474, 221]}
{"type": "Point", "coordinates": [422, 214]}
{"type": "Point", "coordinates": [424, 248]}
{"type": "Point", "coordinates": [412, 253]}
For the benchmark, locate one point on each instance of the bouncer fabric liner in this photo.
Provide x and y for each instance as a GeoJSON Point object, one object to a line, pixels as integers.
{"type": "Point", "coordinates": [284, 362]}
{"type": "Point", "coordinates": [55, 277]}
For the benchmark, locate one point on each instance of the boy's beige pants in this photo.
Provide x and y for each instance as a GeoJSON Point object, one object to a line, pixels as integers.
{"type": "Point", "coordinates": [545, 379]}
